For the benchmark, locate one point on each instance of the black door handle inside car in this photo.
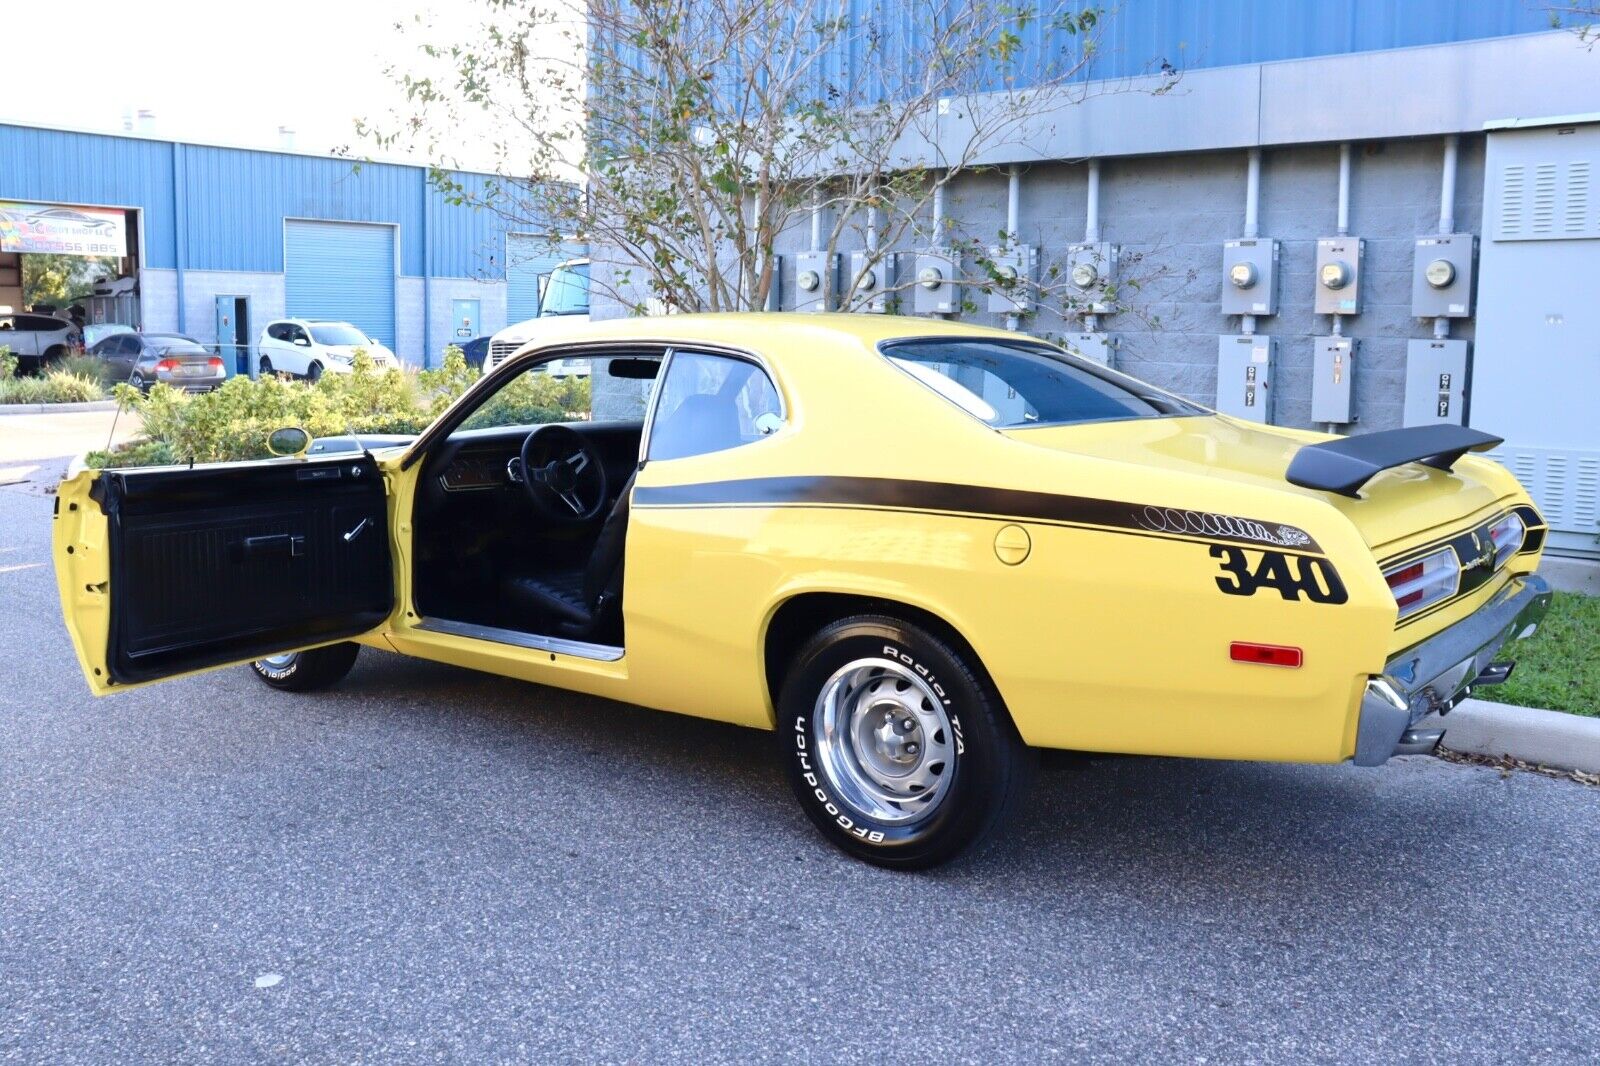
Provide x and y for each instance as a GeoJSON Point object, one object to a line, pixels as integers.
{"type": "Point", "coordinates": [275, 544]}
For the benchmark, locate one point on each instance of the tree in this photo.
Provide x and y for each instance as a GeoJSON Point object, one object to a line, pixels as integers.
{"type": "Point", "coordinates": [57, 279]}
{"type": "Point", "coordinates": [699, 131]}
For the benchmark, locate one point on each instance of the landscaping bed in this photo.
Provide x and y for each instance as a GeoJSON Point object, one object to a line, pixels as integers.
{"type": "Point", "coordinates": [74, 380]}
{"type": "Point", "coordinates": [1558, 668]}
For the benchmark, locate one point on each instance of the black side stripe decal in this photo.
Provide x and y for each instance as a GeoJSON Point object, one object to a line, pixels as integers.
{"type": "Point", "coordinates": [978, 500]}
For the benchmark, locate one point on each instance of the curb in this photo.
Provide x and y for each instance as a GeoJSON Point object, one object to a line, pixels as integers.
{"type": "Point", "coordinates": [1545, 738]}
{"type": "Point", "coordinates": [56, 408]}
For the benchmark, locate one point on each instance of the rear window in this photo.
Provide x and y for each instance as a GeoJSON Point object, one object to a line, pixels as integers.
{"type": "Point", "coordinates": [171, 344]}
{"type": "Point", "coordinates": [1007, 385]}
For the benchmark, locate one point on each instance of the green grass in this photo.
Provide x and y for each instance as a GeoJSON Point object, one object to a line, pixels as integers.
{"type": "Point", "coordinates": [1558, 668]}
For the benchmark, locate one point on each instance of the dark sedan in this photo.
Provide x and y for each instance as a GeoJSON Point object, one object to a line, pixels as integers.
{"type": "Point", "coordinates": [145, 359]}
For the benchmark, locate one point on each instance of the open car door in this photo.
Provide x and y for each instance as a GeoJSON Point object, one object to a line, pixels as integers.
{"type": "Point", "coordinates": [164, 571]}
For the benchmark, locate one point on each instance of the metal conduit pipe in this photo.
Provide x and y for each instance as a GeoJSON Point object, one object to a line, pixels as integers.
{"type": "Point", "coordinates": [1091, 229]}
{"type": "Point", "coordinates": [816, 221]}
{"type": "Point", "coordinates": [1447, 185]}
{"type": "Point", "coordinates": [1252, 220]}
{"type": "Point", "coordinates": [1013, 210]}
{"type": "Point", "coordinates": [1344, 189]}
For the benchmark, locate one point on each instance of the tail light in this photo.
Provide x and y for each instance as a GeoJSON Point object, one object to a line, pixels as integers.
{"type": "Point", "coordinates": [169, 365]}
{"type": "Point", "coordinates": [1507, 535]}
{"type": "Point", "coordinates": [215, 362]}
{"type": "Point", "coordinates": [1424, 582]}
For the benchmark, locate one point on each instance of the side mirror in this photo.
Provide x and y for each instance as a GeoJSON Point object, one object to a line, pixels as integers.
{"type": "Point", "coordinates": [303, 342]}
{"type": "Point", "coordinates": [290, 440]}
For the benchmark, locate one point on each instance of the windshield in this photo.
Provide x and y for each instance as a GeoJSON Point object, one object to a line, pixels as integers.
{"type": "Point", "coordinates": [1007, 384]}
{"type": "Point", "coordinates": [337, 333]}
{"type": "Point", "coordinates": [566, 292]}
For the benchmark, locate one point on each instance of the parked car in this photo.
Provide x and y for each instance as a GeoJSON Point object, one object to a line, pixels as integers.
{"type": "Point", "coordinates": [912, 549]}
{"type": "Point", "coordinates": [310, 349]}
{"type": "Point", "coordinates": [147, 359]}
{"type": "Point", "coordinates": [475, 350]}
{"type": "Point", "coordinates": [38, 340]}
{"type": "Point", "coordinates": [563, 309]}
{"type": "Point", "coordinates": [95, 332]}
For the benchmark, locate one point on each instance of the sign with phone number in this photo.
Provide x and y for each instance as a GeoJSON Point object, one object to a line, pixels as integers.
{"type": "Point", "coordinates": [62, 230]}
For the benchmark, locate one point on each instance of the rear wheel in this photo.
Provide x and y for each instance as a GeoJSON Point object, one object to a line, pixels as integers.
{"type": "Point", "coordinates": [265, 369]}
{"type": "Point", "coordinates": [305, 671]}
{"type": "Point", "coordinates": [53, 357]}
{"type": "Point", "coordinates": [137, 380]}
{"type": "Point", "coordinates": [897, 746]}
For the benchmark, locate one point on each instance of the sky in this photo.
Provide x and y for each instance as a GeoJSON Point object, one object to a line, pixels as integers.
{"type": "Point", "coordinates": [229, 72]}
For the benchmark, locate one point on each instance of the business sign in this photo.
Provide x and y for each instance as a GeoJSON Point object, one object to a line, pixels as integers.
{"type": "Point", "coordinates": [62, 230]}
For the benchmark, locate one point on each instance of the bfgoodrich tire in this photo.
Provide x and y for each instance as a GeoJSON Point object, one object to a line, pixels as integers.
{"type": "Point", "coordinates": [897, 746]}
{"type": "Point", "coordinates": [305, 671]}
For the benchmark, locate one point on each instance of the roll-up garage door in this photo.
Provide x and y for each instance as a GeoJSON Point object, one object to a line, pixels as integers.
{"type": "Point", "coordinates": [342, 271]}
{"type": "Point", "coordinates": [526, 259]}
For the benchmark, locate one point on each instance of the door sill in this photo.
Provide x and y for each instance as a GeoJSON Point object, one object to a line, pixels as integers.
{"type": "Point", "coordinates": [604, 653]}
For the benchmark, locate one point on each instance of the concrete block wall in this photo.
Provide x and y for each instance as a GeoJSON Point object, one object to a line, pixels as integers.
{"type": "Point", "coordinates": [491, 297]}
{"type": "Point", "coordinates": [408, 320]}
{"type": "Point", "coordinates": [202, 287]}
{"type": "Point", "coordinates": [158, 300]}
{"type": "Point", "coordinates": [1171, 214]}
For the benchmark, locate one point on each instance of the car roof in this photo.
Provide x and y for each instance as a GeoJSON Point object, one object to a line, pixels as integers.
{"type": "Point", "coordinates": [745, 329]}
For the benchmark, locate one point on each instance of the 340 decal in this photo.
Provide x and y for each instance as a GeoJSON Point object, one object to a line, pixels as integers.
{"type": "Point", "coordinates": [1291, 575]}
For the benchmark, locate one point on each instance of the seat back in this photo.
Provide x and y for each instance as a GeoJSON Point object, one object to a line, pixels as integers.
{"type": "Point", "coordinates": [604, 572]}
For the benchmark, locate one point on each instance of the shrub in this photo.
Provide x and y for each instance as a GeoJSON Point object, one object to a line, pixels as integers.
{"type": "Point", "coordinates": [8, 364]}
{"type": "Point", "coordinates": [233, 422]}
{"type": "Point", "coordinates": [53, 386]}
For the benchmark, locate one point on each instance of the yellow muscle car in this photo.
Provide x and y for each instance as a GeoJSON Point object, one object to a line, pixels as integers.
{"type": "Point", "coordinates": [912, 549]}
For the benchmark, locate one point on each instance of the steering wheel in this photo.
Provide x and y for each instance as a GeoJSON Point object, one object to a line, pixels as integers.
{"type": "Point", "coordinates": [569, 485]}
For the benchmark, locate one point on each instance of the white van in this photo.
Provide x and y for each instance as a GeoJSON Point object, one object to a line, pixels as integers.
{"type": "Point", "coordinates": [563, 303]}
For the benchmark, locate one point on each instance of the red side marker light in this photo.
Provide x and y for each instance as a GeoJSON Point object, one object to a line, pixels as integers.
{"type": "Point", "coordinates": [1265, 654]}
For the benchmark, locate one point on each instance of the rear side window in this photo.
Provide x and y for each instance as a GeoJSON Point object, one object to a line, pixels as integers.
{"type": "Point", "coordinates": [1008, 385]}
{"type": "Point", "coordinates": [278, 331]}
{"type": "Point", "coordinates": [710, 403]}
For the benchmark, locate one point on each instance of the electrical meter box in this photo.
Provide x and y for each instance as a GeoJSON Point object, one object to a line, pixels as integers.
{"type": "Point", "coordinates": [1338, 276]}
{"type": "Point", "coordinates": [815, 281]}
{"type": "Point", "coordinates": [1245, 366]}
{"type": "Point", "coordinates": [1022, 264]}
{"type": "Point", "coordinates": [1436, 382]}
{"type": "Point", "coordinates": [1442, 276]}
{"type": "Point", "coordinates": [1096, 347]}
{"type": "Point", "coordinates": [1091, 270]}
{"type": "Point", "coordinates": [1250, 277]}
{"type": "Point", "coordinates": [873, 284]}
{"type": "Point", "coordinates": [936, 291]}
{"type": "Point", "coordinates": [1333, 379]}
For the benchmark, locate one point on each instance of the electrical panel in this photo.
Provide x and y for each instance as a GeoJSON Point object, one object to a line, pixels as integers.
{"type": "Point", "coordinates": [1338, 276]}
{"type": "Point", "coordinates": [1250, 277]}
{"type": "Point", "coordinates": [1096, 347]}
{"type": "Point", "coordinates": [1092, 270]}
{"type": "Point", "coordinates": [1436, 382]}
{"type": "Point", "coordinates": [1245, 367]}
{"type": "Point", "coordinates": [1020, 263]}
{"type": "Point", "coordinates": [1333, 379]}
{"type": "Point", "coordinates": [874, 284]}
{"type": "Point", "coordinates": [1442, 276]}
{"type": "Point", "coordinates": [816, 281]}
{"type": "Point", "coordinates": [936, 291]}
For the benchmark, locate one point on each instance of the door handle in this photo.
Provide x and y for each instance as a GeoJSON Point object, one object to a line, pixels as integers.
{"type": "Point", "coordinates": [293, 546]}
{"type": "Point", "coordinates": [356, 532]}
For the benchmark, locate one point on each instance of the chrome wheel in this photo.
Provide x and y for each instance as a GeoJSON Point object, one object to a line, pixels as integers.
{"type": "Point", "coordinates": [279, 662]}
{"type": "Point", "coordinates": [884, 741]}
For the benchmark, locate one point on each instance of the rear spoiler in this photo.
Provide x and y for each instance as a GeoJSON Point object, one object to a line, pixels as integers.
{"type": "Point", "coordinates": [1346, 464]}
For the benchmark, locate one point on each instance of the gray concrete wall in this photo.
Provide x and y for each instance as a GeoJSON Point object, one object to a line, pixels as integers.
{"type": "Point", "coordinates": [202, 287]}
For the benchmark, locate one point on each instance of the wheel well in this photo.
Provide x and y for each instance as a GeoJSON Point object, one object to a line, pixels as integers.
{"type": "Point", "coordinates": [800, 616]}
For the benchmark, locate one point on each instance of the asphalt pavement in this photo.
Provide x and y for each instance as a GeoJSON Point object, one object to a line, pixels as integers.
{"type": "Point", "coordinates": [428, 864]}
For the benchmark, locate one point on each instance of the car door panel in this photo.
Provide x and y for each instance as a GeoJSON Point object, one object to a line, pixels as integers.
{"type": "Point", "coordinates": [211, 565]}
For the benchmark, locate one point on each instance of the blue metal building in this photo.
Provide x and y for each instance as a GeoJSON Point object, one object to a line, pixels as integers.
{"type": "Point", "coordinates": [221, 240]}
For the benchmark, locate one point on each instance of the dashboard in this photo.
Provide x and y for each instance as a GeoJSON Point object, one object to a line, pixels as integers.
{"type": "Point", "coordinates": [479, 460]}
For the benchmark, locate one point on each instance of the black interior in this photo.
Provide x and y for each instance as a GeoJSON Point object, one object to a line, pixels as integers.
{"type": "Point", "coordinates": [486, 555]}
{"type": "Point", "coordinates": [215, 564]}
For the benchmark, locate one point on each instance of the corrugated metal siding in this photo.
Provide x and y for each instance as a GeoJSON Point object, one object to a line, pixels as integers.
{"type": "Point", "coordinates": [235, 200]}
{"type": "Point", "coordinates": [342, 271]}
{"type": "Point", "coordinates": [55, 166]}
{"type": "Point", "coordinates": [526, 259]}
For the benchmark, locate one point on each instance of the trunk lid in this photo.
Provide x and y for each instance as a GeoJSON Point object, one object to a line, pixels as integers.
{"type": "Point", "coordinates": [1396, 505]}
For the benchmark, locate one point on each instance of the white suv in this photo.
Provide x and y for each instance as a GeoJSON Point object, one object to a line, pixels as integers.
{"type": "Point", "coordinates": [309, 349]}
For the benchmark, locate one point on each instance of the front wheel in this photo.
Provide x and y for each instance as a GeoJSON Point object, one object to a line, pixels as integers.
{"type": "Point", "coordinates": [314, 373]}
{"type": "Point", "coordinates": [897, 746]}
{"type": "Point", "coordinates": [306, 671]}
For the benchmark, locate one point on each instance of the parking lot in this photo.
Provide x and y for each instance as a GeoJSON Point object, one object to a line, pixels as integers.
{"type": "Point", "coordinates": [430, 864]}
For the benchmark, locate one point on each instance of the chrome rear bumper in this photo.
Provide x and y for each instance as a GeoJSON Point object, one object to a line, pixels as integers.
{"type": "Point", "coordinates": [1432, 675]}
